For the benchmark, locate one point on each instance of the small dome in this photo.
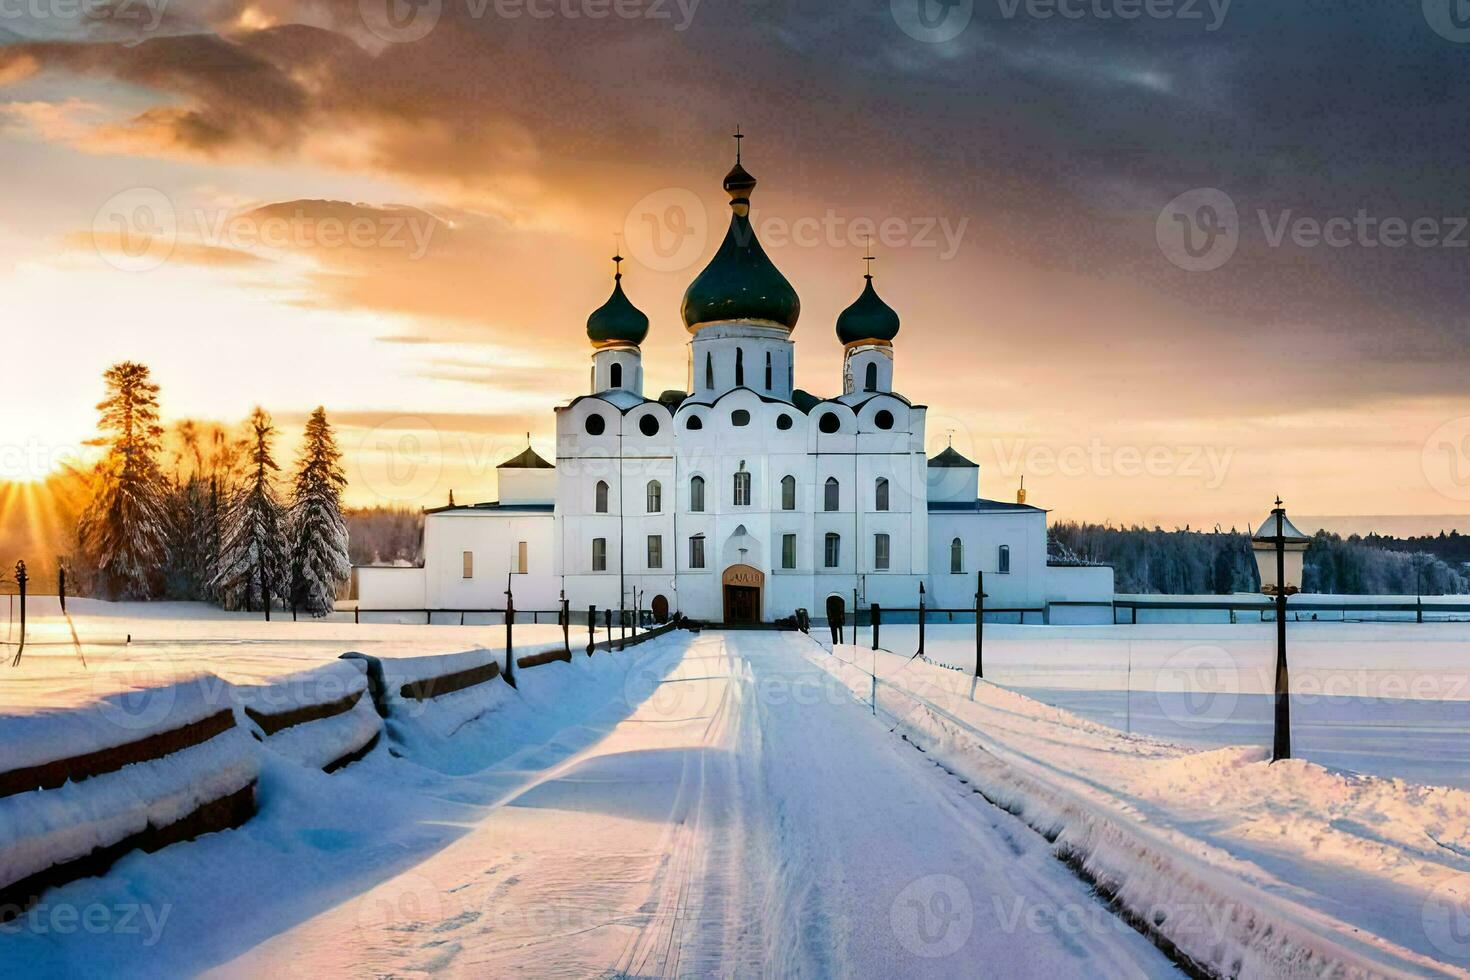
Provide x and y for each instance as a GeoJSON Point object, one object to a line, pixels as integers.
{"type": "Point", "coordinates": [617, 321]}
{"type": "Point", "coordinates": [740, 282]}
{"type": "Point", "coordinates": [869, 318]}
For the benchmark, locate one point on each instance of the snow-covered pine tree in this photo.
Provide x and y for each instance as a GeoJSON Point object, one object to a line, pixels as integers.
{"type": "Point", "coordinates": [253, 563]}
{"type": "Point", "coordinates": [319, 562]}
{"type": "Point", "coordinates": [123, 529]}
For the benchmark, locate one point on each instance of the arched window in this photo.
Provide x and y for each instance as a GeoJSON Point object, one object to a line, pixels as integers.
{"type": "Point", "coordinates": [602, 496]}
{"type": "Point", "coordinates": [709, 370]}
{"type": "Point", "coordinates": [956, 557]}
{"type": "Point", "coordinates": [617, 375]}
{"type": "Point", "coordinates": [871, 380]}
{"type": "Point", "coordinates": [880, 494]}
{"type": "Point", "coordinates": [655, 496]}
{"type": "Point", "coordinates": [831, 494]}
{"type": "Point", "coordinates": [768, 370]}
{"type": "Point", "coordinates": [742, 487]}
{"type": "Point", "coordinates": [739, 367]}
{"type": "Point", "coordinates": [696, 494]}
{"type": "Point", "coordinates": [788, 493]}
{"type": "Point", "coordinates": [833, 550]}
{"type": "Point", "coordinates": [1005, 559]}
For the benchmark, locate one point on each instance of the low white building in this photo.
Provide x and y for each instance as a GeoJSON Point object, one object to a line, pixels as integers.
{"type": "Point", "coordinates": [741, 498]}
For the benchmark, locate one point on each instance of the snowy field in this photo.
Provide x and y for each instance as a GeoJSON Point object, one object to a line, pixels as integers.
{"type": "Point", "coordinates": [111, 649]}
{"type": "Point", "coordinates": [1250, 868]}
{"type": "Point", "coordinates": [1387, 699]}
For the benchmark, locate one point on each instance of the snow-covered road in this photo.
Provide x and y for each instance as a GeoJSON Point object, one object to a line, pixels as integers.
{"type": "Point", "coordinates": [747, 818]}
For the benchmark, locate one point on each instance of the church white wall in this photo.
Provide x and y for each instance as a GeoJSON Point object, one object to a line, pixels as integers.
{"type": "Point", "coordinates": [855, 363]}
{"type": "Point", "coordinates": [526, 485]}
{"type": "Point", "coordinates": [618, 368]}
{"type": "Point", "coordinates": [627, 455]}
{"type": "Point", "coordinates": [492, 537]}
{"type": "Point", "coordinates": [390, 587]}
{"type": "Point", "coordinates": [953, 484]}
{"type": "Point", "coordinates": [716, 349]}
{"type": "Point", "coordinates": [983, 533]}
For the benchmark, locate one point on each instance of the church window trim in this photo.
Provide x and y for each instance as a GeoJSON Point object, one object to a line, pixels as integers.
{"type": "Point", "coordinates": [832, 550]}
{"type": "Point", "coordinates": [616, 376]}
{"type": "Point", "coordinates": [742, 486]}
{"type": "Point", "coordinates": [696, 551]}
{"type": "Point", "coordinates": [1003, 560]}
{"type": "Point", "coordinates": [870, 379]}
{"type": "Point", "coordinates": [655, 497]}
{"type": "Point", "coordinates": [739, 366]}
{"type": "Point", "coordinates": [880, 494]}
{"type": "Point", "coordinates": [956, 557]}
{"type": "Point", "coordinates": [696, 495]}
{"type": "Point", "coordinates": [655, 551]}
{"type": "Point", "coordinates": [831, 495]}
{"type": "Point", "coordinates": [788, 552]}
{"type": "Point", "coordinates": [882, 552]}
{"type": "Point", "coordinates": [599, 554]}
{"type": "Point", "coordinates": [599, 503]}
{"type": "Point", "coordinates": [788, 492]}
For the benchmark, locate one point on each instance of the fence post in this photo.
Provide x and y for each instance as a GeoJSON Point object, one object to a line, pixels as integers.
{"type": "Point", "coordinates": [591, 629]}
{"type": "Point", "coordinates": [355, 613]}
{"type": "Point", "coordinates": [921, 620]}
{"type": "Point", "coordinates": [566, 622]}
{"type": "Point", "coordinates": [877, 614]}
{"type": "Point", "coordinates": [1420, 601]}
{"type": "Point", "coordinates": [980, 624]}
{"type": "Point", "coordinates": [61, 585]}
{"type": "Point", "coordinates": [607, 614]}
{"type": "Point", "coordinates": [20, 580]}
{"type": "Point", "coordinates": [510, 617]}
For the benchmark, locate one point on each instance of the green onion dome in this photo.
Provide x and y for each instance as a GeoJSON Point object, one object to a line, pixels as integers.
{"type": "Point", "coordinates": [740, 282]}
{"type": "Point", "coordinates": [617, 322]}
{"type": "Point", "coordinates": [868, 319]}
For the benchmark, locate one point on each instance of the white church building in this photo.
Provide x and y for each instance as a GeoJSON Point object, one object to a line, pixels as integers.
{"type": "Point", "coordinates": [742, 498]}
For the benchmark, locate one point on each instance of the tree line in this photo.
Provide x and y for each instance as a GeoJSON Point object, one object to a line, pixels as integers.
{"type": "Point", "coordinates": [217, 526]}
{"type": "Point", "coordinates": [1189, 562]}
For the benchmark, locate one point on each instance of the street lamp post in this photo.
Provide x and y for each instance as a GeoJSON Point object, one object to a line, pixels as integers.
{"type": "Point", "coordinates": [1279, 550]}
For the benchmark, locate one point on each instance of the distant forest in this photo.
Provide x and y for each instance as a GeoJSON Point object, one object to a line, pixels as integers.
{"type": "Point", "coordinates": [1189, 562]}
{"type": "Point", "coordinates": [385, 535]}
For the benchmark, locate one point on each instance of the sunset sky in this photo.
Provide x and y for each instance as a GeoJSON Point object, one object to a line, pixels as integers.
{"type": "Point", "coordinates": [405, 213]}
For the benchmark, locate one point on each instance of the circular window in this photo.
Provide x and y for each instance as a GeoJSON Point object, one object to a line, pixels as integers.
{"type": "Point", "coordinates": [830, 423]}
{"type": "Point", "coordinates": [884, 419]}
{"type": "Point", "coordinates": [595, 425]}
{"type": "Point", "coordinates": [783, 422]}
{"type": "Point", "coordinates": [739, 417]}
{"type": "Point", "coordinates": [694, 423]}
{"type": "Point", "coordinates": [648, 425]}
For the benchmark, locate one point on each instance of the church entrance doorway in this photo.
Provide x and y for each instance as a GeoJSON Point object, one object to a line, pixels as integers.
{"type": "Point", "coordinates": [743, 586]}
{"type": "Point", "coordinates": [660, 609]}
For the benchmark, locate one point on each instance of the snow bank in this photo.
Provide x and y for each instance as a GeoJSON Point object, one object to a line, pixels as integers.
{"type": "Point", "coordinates": [45, 828]}
{"type": "Point", "coordinates": [1244, 868]}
